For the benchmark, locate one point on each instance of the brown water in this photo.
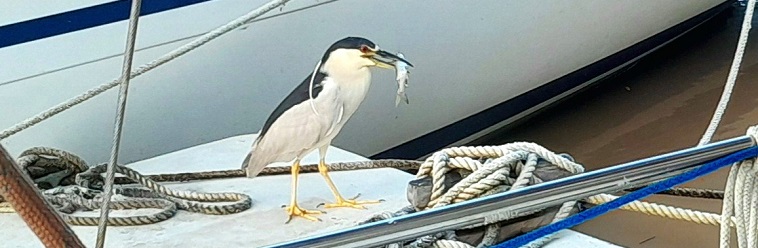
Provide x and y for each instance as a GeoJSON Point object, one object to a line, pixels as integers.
{"type": "Point", "coordinates": [664, 103]}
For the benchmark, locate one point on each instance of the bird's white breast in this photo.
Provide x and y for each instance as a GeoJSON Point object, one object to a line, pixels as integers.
{"type": "Point", "coordinates": [353, 90]}
{"type": "Point", "coordinates": [350, 91]}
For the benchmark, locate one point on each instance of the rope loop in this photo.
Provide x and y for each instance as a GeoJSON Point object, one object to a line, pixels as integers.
{"type": "Point", "coordinates": [73, 186]}
{"type": "Point", "coordinates": [740, 202]}
{"type": "Point", "coordinates": [459, 174]}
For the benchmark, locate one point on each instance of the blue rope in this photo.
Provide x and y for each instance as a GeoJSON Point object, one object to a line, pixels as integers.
{"type": "Point", "coordinates": [625, 199]}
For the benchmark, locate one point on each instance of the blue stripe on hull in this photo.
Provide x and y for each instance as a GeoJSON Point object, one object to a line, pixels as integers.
{"type": "Point", "coordinates": [449, 134]}
{"type": "Point", "coordinates": [80, 19]}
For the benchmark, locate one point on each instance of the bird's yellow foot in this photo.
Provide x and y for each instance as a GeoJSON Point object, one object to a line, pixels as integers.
{"type": "Point", "coordinates": [294, 210]}
{"type": "Point", "coordinates": [349, 203]}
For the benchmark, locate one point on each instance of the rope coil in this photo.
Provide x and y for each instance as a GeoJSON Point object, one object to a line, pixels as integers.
{"type": "Point", "coordinates": [740, 202]}
{"type": "Point", "coordinates": [484, 170]}
{"type": "Point", "coordinates": [86, 195]}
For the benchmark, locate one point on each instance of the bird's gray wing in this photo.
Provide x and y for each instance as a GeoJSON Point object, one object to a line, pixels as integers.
{"type": "Point", "coordinates": [299, 94]}
{"type": "Point", "coordinates": [297, 130]}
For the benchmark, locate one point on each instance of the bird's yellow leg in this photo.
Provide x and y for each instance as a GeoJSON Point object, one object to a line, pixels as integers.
{"type": "Point", "coordinates": [293, 209]}
{"type": "Point", "coordinates": [341, 201]}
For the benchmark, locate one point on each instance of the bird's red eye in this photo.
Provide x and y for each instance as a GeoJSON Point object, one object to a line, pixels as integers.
{"type": "Point", "coordinates": [364, 49]}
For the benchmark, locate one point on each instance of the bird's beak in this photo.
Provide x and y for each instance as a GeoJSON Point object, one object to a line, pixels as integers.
{"type": "Point", "coordinates": [384, 59]}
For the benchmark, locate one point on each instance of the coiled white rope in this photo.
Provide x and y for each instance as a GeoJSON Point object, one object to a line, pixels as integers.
{"type": "Point", "coordinates": [144, 68]}
{"type": "Point", "coordinates": [488, 178]}
{"type": "Point", "coordinates": [122, 96]}
{"type": "Point", "coordinates": [740, 202]}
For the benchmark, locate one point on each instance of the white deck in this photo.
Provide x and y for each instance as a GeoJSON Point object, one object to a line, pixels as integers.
{"type": "Point", "coordinates": [263, 224]}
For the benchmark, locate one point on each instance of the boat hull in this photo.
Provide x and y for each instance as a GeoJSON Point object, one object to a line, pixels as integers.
{"type": "Point", "coordinates": [479, 66]}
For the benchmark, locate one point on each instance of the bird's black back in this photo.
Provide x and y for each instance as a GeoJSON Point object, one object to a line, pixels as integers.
{"type": "Point", "coordinates": [298, 95]}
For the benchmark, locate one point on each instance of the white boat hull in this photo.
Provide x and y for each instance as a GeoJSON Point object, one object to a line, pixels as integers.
{"type": "Point", "coordinates": [479, 66]}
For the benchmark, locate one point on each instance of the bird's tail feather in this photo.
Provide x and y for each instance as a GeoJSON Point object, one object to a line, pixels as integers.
{"type": "Point", "coordinates": [254, 162]}
{"type": "Point", "coordinates": [253, 165]}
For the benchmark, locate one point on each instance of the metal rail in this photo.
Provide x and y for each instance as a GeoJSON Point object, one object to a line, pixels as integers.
{"type": "Point", "coordinates": [450, 217]}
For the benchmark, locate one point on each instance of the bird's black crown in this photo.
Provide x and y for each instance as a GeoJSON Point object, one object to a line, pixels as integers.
{"type": "Point", "coordinates": [349, 43]}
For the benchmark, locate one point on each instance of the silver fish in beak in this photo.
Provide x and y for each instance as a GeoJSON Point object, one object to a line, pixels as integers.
{"type": "Point", "coordinates": [401, 72]}
{"type": "Point", "coordinates": [386, 60]}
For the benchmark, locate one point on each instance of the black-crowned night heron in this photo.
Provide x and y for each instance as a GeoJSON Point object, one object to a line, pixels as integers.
{"type": "Point", "coordinates": [314, 113]}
